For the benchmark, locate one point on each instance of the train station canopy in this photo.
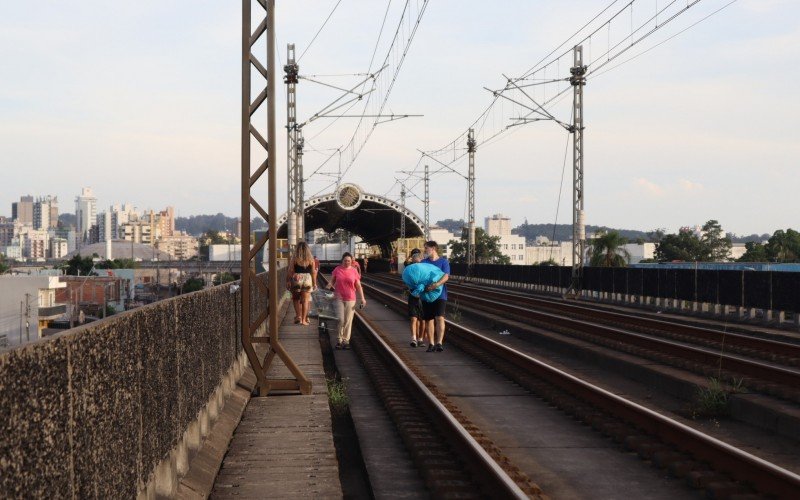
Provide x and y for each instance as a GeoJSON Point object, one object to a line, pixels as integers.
{"type": "Point", "coordinates": [373, 218]}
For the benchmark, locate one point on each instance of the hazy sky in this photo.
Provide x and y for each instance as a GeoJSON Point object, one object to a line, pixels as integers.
{"type": "Point", "coordinates": [140, 100]}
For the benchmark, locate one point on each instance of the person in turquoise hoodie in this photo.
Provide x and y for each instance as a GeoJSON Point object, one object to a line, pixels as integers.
{"type": "Point", "coordinates": [417, 277]}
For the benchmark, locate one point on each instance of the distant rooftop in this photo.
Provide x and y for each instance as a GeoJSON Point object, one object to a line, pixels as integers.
{"type": "Point", "coordinates": [121, 249]}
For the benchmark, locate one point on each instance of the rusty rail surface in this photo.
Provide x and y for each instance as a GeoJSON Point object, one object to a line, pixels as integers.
{"type": "Point", "coordinates": [764, 476]}
{"type": "Point", "coordinates": [489, 475]}
{"type": "Point", "coordinates": [748, 367]}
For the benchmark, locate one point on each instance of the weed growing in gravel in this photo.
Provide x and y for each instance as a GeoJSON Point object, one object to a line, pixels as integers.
{"type": "Point", "coordinates": [712, 401]}
{"type": "Point", "coordinates": [455, 313]}
{"type": "Point", "coordinates": [337, 394]}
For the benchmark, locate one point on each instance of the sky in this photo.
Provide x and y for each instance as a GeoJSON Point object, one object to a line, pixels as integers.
{"type": "Point", "coordinates": [141, 101]}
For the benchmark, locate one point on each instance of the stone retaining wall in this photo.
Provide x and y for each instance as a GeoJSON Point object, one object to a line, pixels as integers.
{"type": "Point", "coordinates": [94, 411]}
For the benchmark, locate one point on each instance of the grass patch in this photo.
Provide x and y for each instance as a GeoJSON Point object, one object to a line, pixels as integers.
{"type": "Point", "coordinates": [712, 401]}
{"type": "Point", "coordinates": [337, 394]}
{"type": "Point", "coordinates": [455, 313]}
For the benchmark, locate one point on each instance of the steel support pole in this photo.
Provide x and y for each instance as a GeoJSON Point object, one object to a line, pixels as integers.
{"type": "Point", "coordinates": [300, 187]}
{"type": "Point", "coordinates": [260, 310]}
{"type": "Point", "coordinates": [427, 203]}
{"type": "Point", "coordinates": [471, 146]}
{"type": "Point", "coordinates": [578, 80]}
{"type": "Point", "coordinates": [291, 70]}
{"type": "Point", "coordinates": [402, 219]}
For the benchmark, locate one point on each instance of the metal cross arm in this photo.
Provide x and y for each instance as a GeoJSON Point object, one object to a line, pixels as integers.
{"type": "Point", "coordinates": [541, 109]}
{"type": "Point", "coordinates": [446, 166]}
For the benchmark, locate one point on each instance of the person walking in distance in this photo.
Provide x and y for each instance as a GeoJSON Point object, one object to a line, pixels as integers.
{"type": "Point", "coordinates": [301, 279]}
{"type": "Point", "coordinates": [434, 312]}
{"type": "Point", "coordinates": [345, 281]}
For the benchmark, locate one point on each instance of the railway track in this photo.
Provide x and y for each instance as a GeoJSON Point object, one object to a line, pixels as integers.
{"type": "Point", "coordinates": [452, 462]}
{"type": "Point", "coordinates": [700, 350]}
{"type": "Point", "coordinates": [705, 461]}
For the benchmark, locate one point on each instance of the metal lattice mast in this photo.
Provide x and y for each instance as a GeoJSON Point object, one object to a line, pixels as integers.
{"type": "Point", "coordinates": [471, 146]}
{"type": "Point", "coordinates": [259, 296]}
{"type": "Point", "coordinates": [578, 80]}
{"type": "Point", "coordinates": [402, 217]}
{"type": "Point", "coordinates": [427, 203]}
{"type": "Point", "coordinates": [300, 189]}
{"type": "Point", "coordinates": [291, 69]}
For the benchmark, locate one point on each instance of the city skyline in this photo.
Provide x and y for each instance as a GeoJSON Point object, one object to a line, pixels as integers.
{"type": "Point", "coordinates": [665, 143]}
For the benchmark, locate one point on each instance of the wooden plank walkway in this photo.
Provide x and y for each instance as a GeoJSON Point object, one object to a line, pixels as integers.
{"type": "Point", "coordinates": [283, 446]}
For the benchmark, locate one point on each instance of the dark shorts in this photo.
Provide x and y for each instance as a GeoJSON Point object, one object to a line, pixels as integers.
{"type": "Point", "coordinates": [431, 310]}
{"type": "Point", "coordinates": [414, 307]}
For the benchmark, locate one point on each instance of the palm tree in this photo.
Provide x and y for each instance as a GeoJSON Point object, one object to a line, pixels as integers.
{"type": "Point", "coordinates": [607, 250]}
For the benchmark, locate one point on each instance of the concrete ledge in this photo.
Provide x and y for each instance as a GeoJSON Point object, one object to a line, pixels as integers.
{"type": "Point", "coordinates": [199, 481]}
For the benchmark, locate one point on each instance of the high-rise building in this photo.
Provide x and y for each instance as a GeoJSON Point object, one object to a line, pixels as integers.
{"type": "Point", "coordinates": [498, 225]}
{"type": "Point", "coordinates": [115, 217]}
{"type": "Point", "coordinates": [45, 212]}
{"type": "Point", "coordinates": [22, 210]}
{"type": "Point", "coordinates": [167, 222]}
{"type": "Point", "coordinates": [86, 215]}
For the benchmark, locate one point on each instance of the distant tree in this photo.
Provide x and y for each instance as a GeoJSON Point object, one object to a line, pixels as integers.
{"type": "Point", "coordinates": [3, 264]}
{"type": "Point", "coordinates": [210, 237]}
{"type": "Point", "coordinates": [116, 264]}
{"type": "Point", "coordinates": [67, 220]}
{"type": "Point", "coordinates": [258, 224]}
{"type": "Point", "coordinates": [487, 249]}
{"type": "Point", "coordinates": [78, 266]}
{"type": "Point", "coordinates": [608, 250]}
{"type": "Point", "coordinates": [784, 246]}
{"type": "Point", "coordinates": [452, 225]}
{"type": "Point", "coordinates": [656, 235]}
{"type": "Point", "coordinates": [548, 262]}
{"type": "Point", "coordinates": [716, 242]}
{"type": "Point", "coordinates": [563, 232]}
{"type": "Point", "coordinates": [755, 252]}
{"type": "Point", "coordinates": [222, 278]}
{"type": "Point", "coordinates": [193, 285]}
{"type": "Point", "coordinates": [683, 246]}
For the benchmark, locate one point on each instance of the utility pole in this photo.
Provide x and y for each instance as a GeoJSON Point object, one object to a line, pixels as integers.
{"type": "Point", "coordinates": [578, 80]}
{"type": "Point", "coordinates": [402, 220]}
{"type": "Point", "coordinates": [291, 69]}
{"type": "Point", "coordinates": [471, 146]}
{"type": "Point", "coordinates": [427, 203]}
{"type": "Point", "coordinates": [28, 316]}
{"type": "Point", "coordinates": [300, 192]}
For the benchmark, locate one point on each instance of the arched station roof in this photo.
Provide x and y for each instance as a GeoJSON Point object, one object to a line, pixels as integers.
{"type": "Point", "coordinates": [373, 218]}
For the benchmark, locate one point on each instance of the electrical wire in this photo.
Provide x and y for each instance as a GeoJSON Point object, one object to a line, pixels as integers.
{"type": "Point", "coordinates": [319, 30]}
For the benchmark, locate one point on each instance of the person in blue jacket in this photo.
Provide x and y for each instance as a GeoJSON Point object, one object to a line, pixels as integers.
{"type": "Point", "coordinates": [434, 312]}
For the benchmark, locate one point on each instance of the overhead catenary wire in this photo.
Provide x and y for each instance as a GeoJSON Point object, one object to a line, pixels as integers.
{"type": "Point", "coordinates": [319, 30]}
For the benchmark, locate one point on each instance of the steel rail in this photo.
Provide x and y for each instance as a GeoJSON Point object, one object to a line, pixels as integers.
{"type": "Point", "coordinates": [705, 334]}
{"type": "Point", "coordinates": [496, 481]}
{"type": "Point", "coordinates": [743, 366]}
{"type": "Point", "coordinates": [765, 476]}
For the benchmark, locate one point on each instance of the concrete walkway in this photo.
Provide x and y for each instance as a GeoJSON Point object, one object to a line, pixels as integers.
{"type": "Point", "coordinates": [283, 446]}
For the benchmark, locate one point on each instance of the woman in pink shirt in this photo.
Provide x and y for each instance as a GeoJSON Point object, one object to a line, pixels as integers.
{"type": "Point", "coordinates": [345, 280]}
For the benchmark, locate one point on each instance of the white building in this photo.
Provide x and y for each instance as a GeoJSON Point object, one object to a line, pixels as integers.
{"type": "Point", "coordinates": [59, 248]}
{"type": "Point", "coordinates": [27, 304]}
{"type": "Point", "coordinates": [442, 236]}
{"type": "Point", "coordinates": [180, 246]}
{"type": "Point", "coordinates": [510, 245]}
{"type": "Point", "coordinates": [224, 252]}
{"type": "Point", "coordinates": [45, 212]}
{"type": "Point", "coordinates": [13, 252]}
{"type": "Point", "coordinates": [110, 222]}
{"type": "Point", "coordinates": [85, 213]}
{"type": "Point", "coordinates": [640, 252]}
{"type": "Point", "coordinates": [497, 225]}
